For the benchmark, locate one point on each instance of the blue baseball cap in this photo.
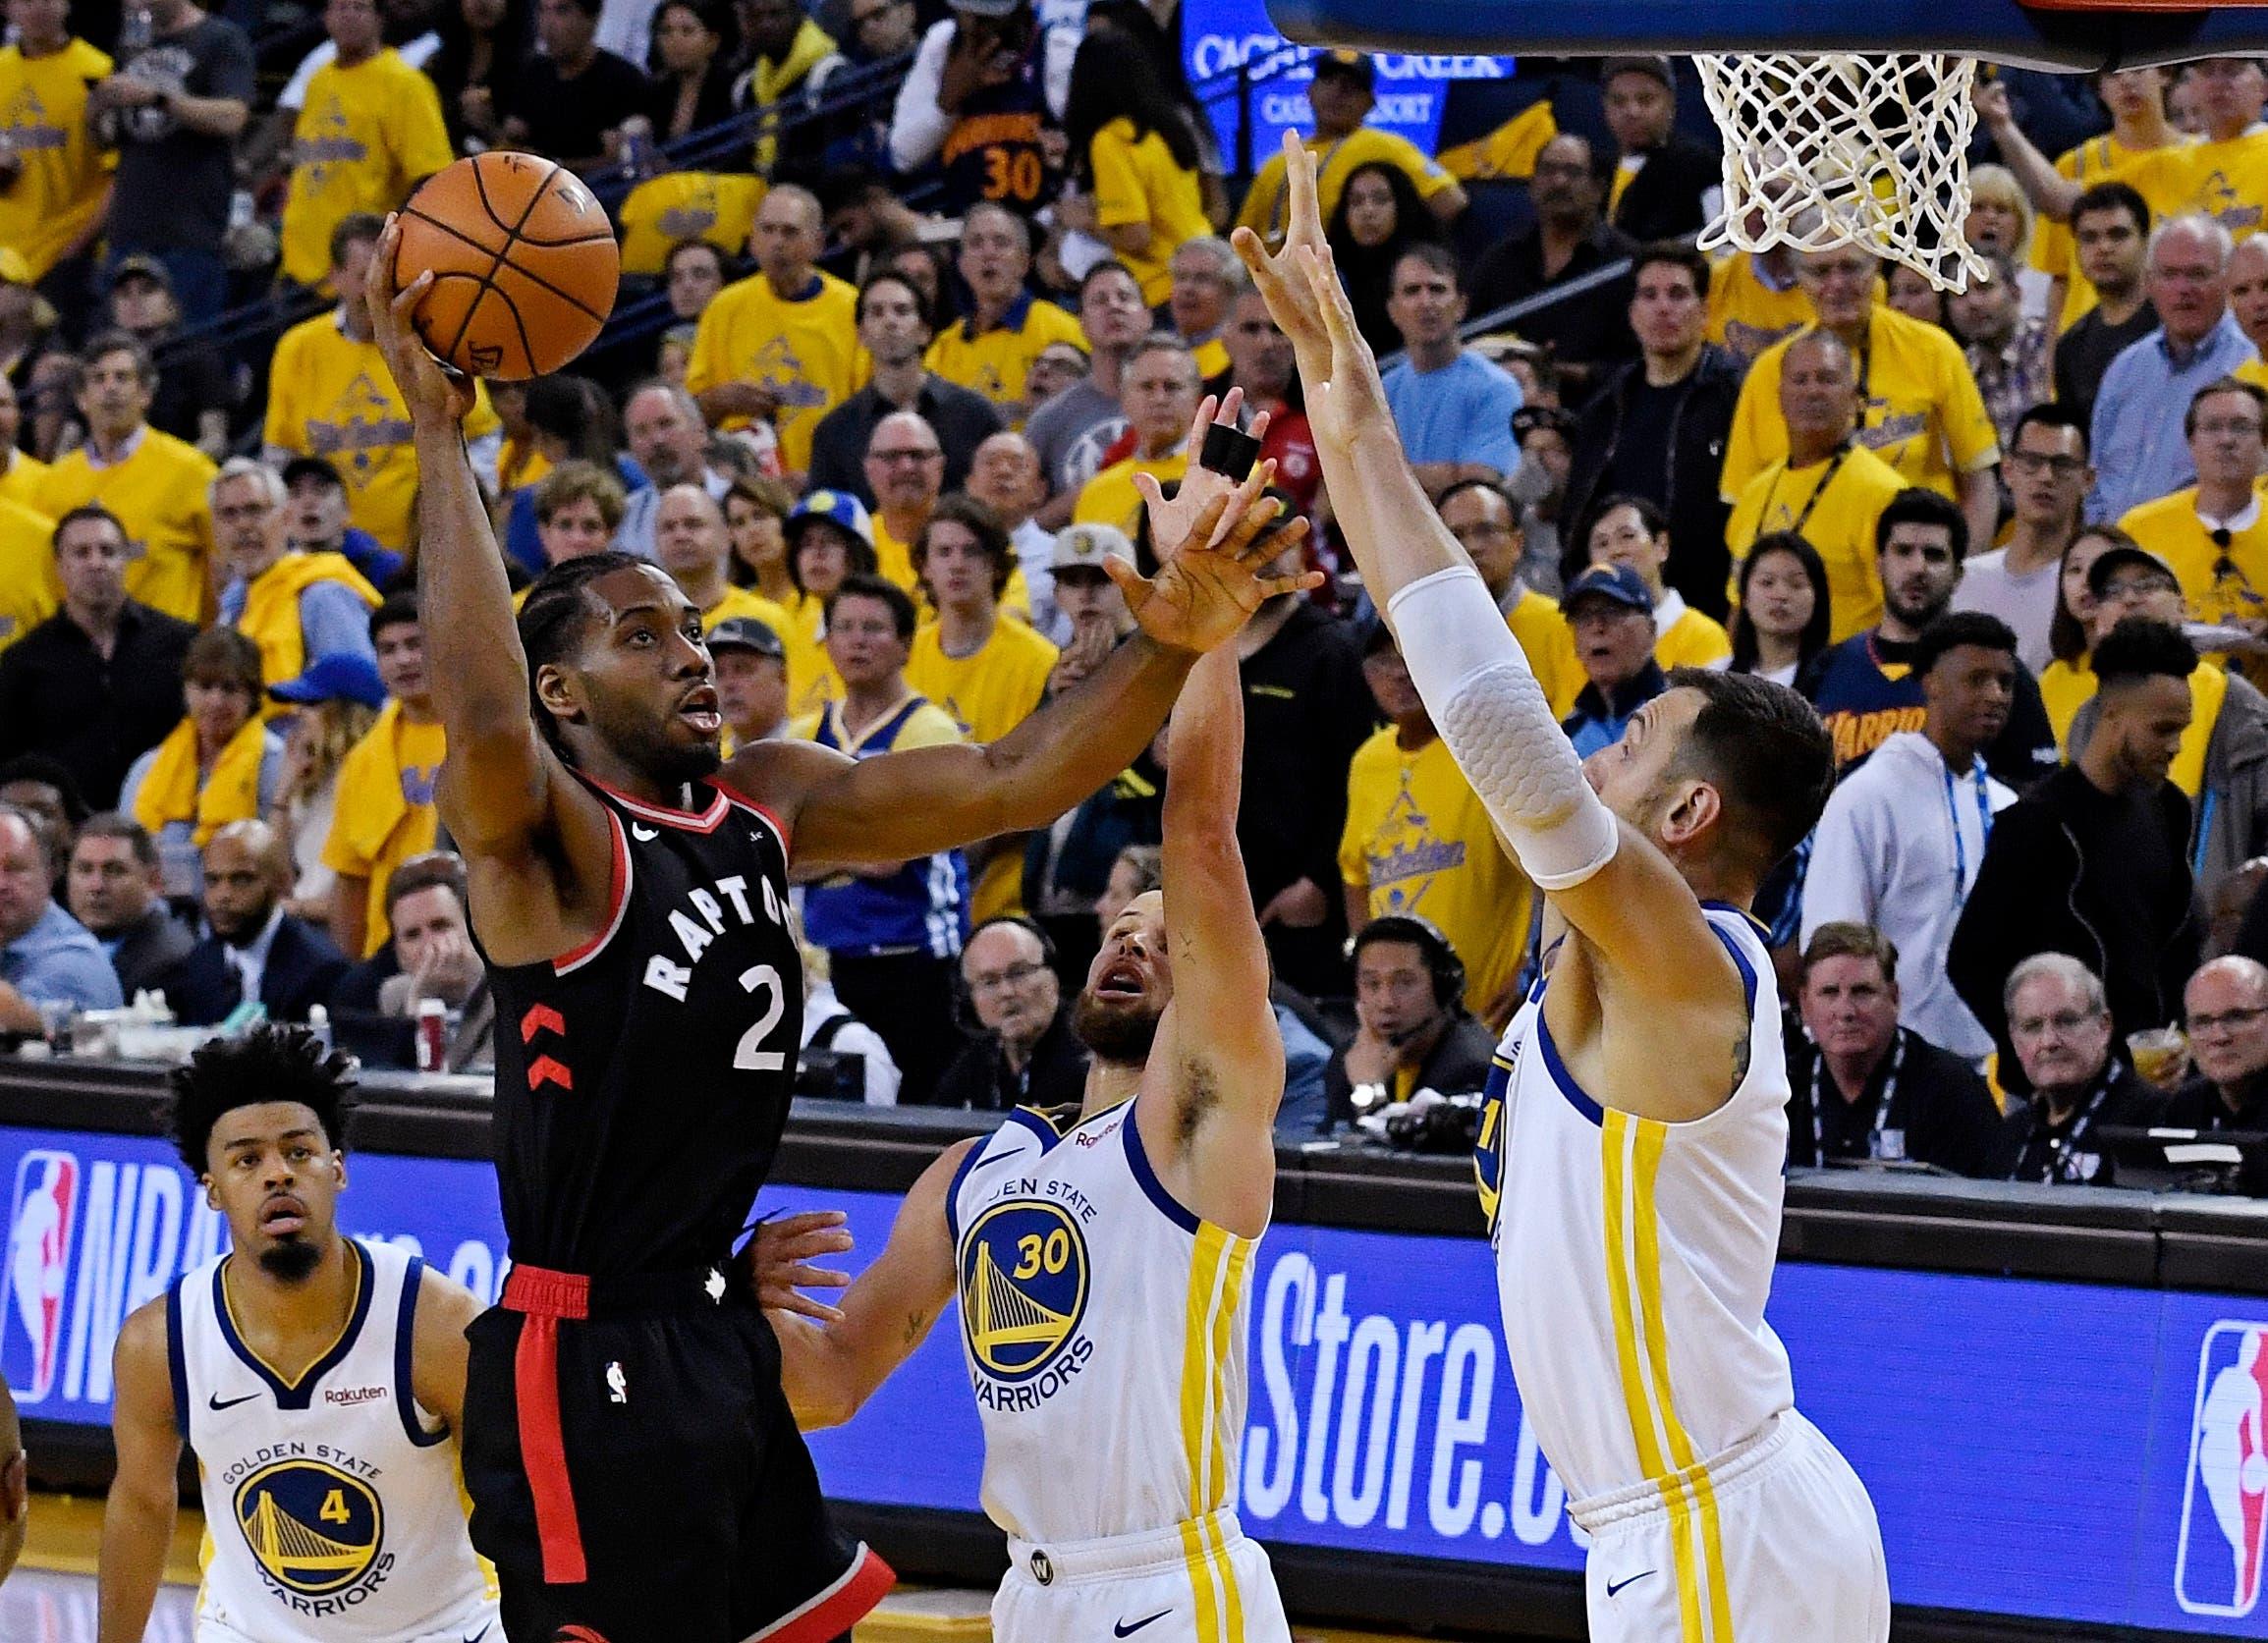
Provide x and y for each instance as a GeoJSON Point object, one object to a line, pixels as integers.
{"type": "Point", "coordinates": [342, 676]}
{"type": "Point", "coordinates": [838, 507]}
{"type": "Point", "coordinates": [1619, 582]}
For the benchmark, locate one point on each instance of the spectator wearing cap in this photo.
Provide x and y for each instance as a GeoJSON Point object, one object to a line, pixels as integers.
{"type": "Point", "coordinates": [1261, 364]}
{"type": "Point", "coordinates": [1657, 426]}
{"type": "Point", "coordinates": [154, 484]}
{"type": "Point", "coordinates": [1074, 430]}
{"type": "Point", "coordinates": [990, 351]}
{"type": "Point", "coordinates": [1413, 1031]}
{"type": "Point", "coordinates": [1902, 837]}
{"type": "Point", "coordinates": [430, 955]}
{"type": "Point", "coordinates": [1025, 1054]}
{"type": "Point", "coordinates": [1084, 593]}
{"type": "Point", "coordinates": [2214, 534]}
{"type": "Point", "coordinates": [99, 681]}
{"type": "Point", "coordinates": [2225, 1008]}
{"type": "Point", "coordinates": [1569, 238]}
{"type": "Point", "coordinates": [1341, 96]}
{"type": "Point", "coordinates": [117, 891]}
{"type": "Point", "coordinates": [1664, 185]}
{"type": "Point", "coordinates": [252, 948]}
{"type": "Point", "coordinates": [984, 87]}
{"type": "Point", "coordinates": [55, 179]}
{"type": "Point", "coordinates": [1453, 407]}
{"type": "Point", "coordinates": [2141, 409]}
{"type": "Point", "coordinates": [1161, 389]}
{"type": "Point", "coordinates": [2094, 862]}
{"type": "Point", "coordinates": [2064, 1033]}
{"type": "Point", "coordinates": [1828, 489]}
{"type": "Point", "coordinates": [2009, 352]}
{"type": "Point", "coordinates": [1006, 477]}
{"type": "Point", "coordinates": [829, 538]}
{"type": "Point", "coordinates": [1862, 1085]}
{"type": "Point", "coordinates": [2047, 476]}
{"type": "Point", "coordinates": [1613, 618]}
{"type": "Point", "coordinates": [298, 606]}
{"type": "Point", "coordinates": [752, 679]}
{"type": "Point", "coordinates": [194, 392]}
{"type": "Point", "coordinates": [331, 396]}
{"type": "Point", "coordinates": [316, 510]}
{"type": "Point", "coordinates": [48, 960]}
{"type": "Point", "coordinates": [1629, 531]}
{"type": "Point", "coordinates": [220, 764]}
{"type": "Point", "coordinates": [333, 704]}
{"type": "Point", "coordinates": [1417, 840]}
{"type": "Point", "coordinates": [988, 671]}
{"type": "Point", "coordinates": [895, 327]}
{"type": "Point", "coordinates": [384, 811]}
{"type": "Point", "coordinates": [693, 545]}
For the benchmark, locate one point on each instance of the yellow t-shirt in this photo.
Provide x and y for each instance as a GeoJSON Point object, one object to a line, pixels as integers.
{"type": "Point", "coordinates": [158, 493]}
{"type": "Point", "coordinates": [1419, 840]}
{"type": "Point", "coordinates": [65, 178]}
{"type": "Point", "coordinates": [812, 682]}
{"type": "Point", "coordinates": [1136, 180]}
{"type": "Point", "coordinates": [1110, 497]}
{"type": "Point", "coordinates": [385, 813]}
{"type": "Point", "coordinates": [1548, 644]}
{"type": "Point", "coordinates": [806, 352]}
{"type": "Point", "coordinates": [2220, 585]}
{"type": "Point", "coordinates": [1843, 500]}
{"type": "Point", "coordinates": [331, 396]}
{"type": "Point", "coordinates": [2166, 178]}
{"type": "Point", "coordinates": [22, 478]}
{"type": "Point", "coordinates": [989, 693]}
{"type": "Point", "coordinates": [365, 136]}
{"type": "Point", "coordinates": [1746, 314]}
{"type": "Point", "coordinates": [2231, 182]}
{"type": "Point", "coordinates": [893, 560]}
{"type": "Point", "coordinates": [996, 363]}
{"type": "Point", "coordinates": [678, 206]}
{"type": "Point", "coordinates": [1265, 207]}
{"type": "Point", "coordinates": [26, 560]}
{"type": "Point", "coordinates": [1694, 640]}
{"type": "Point", "coordinates": [1919, 408]}
{"type": "Point", "coordinates": [746, 601]}
{"type": "Point", "coordinates": [1212, 358]}
{"type": "Point", "coordinates": [2066, 687]}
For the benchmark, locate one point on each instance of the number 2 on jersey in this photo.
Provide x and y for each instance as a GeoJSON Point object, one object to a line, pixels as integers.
{"type": "Point", "coordinates": [751, 1057]}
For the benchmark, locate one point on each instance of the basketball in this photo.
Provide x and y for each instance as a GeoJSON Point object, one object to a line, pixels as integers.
{"type": "Point", "coordinates": [524, 260]}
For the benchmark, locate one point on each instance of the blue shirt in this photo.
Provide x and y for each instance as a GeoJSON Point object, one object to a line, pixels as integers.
{"type": "Point", "coordinates": [332, 618]}
{"type": "Point", "coordinates": [1600, 717]}
{"type": "Point", "coordinates": [58, 960]}
{"type": "Point", "coordinates": [1459, 414]}
{"type": "Point", "coordinates": [921, 907]}
{"type": "Point", "coordinates": [2138, 449]}
{"type": "Point", "coordinates": [1307, 1107]}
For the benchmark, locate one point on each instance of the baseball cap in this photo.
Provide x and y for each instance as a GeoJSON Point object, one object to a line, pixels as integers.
{"type": "Point", "coordinates": [837, 506]}
{"type": "Point", "coordinates": [748, 633]}
{"type": "Point", "coordinates": [1084, 547]}
{"type": "Point", "coordinates": [341, 676]}
{"type": "Point", "coordinates": [140, 266]}
{"type": "Point", "coordinates": [310, 467]}
{"type": "Point", "coordinates": [1618, 582]}
{"type": "Point", "coordinates": [1351, 65]}
{"type": "Point", "coordinates": [1638, 63]}
{"type": "Point", "coordinates": [2117, 559]}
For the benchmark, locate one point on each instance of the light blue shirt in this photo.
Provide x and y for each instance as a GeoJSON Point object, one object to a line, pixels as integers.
{"type": "Point", "coordinates": [2137, 446]}
{"type": "Point", "coordinates": [332, 618]}
{"type": "Point", "coordinates": [1459, 414]}
{"type": "Point", "coordinates": [58, 960]}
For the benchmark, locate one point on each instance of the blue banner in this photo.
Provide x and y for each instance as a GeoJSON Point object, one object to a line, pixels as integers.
{"type": "Point", "coordinates": [2053, 1451]}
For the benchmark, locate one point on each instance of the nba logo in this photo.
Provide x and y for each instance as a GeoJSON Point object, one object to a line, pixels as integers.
{"type": "Point", "coordinates": [40, 1222]}
{"type": "Point", "coordinates": [2225, 1501]}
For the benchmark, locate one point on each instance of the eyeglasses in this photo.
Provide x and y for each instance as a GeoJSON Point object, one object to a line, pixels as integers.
{"type": "Point", "coordinates": [2227, 1019]}
{"type": "Point", "coordinates": [2063, 1021]}
{"type": "Point", "coordinates": [2138, 587]}
{"type": "Point", "coordinates": [1015, 975]}
{"type": "Point", "coordinates": [2244, 427]}
{"type": "Point", "coordinates": [2063, 467]}
{"type": "Point", "coordinates": [906, 455]}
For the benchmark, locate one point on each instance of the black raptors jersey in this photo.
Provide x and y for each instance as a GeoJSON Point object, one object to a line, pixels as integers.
{"type": "Point", "coordinates": [643, 1080]}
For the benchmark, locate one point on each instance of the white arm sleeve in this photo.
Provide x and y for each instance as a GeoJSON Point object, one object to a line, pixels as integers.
{"type": "Point", "coordinates": [1476, 681]}
{"type": "Point", "coordinates": [917, 125]}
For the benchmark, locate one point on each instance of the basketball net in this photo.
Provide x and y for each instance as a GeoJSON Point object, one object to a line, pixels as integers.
{"type": "Point", "coordinates": [1842, 150]}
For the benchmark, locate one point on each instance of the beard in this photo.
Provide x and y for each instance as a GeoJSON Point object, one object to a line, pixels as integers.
{"type": "Point", "coordinates": [1116, 1035]}
{"type": "Point", "coordinates": [292, 1260]}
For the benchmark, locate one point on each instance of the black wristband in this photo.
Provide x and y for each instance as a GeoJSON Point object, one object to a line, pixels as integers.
{"type": "Point", "coordinates": [1229, 452]}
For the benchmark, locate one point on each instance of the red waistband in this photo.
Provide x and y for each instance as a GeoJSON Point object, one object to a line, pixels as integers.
{"type": "Point", "coordinates": [542, 1293]}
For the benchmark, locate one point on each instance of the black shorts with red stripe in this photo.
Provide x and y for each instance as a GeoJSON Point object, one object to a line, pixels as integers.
{"type": "Point", "coordinates": [638, 1477]}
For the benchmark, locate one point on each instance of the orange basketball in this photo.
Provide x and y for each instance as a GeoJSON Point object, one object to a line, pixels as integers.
{"type": "Point", "coordinates": [524, 261]}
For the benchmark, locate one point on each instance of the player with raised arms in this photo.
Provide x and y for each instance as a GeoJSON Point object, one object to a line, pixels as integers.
{"type": "Point", "coordinates": [1100, 1252]}
{"type": "Point", "coordinates": [319, 1379]}
{"type": "Point", "coordinates": [634, 1470]}
{"type": "Point", "coordinates": [1631, 1146]}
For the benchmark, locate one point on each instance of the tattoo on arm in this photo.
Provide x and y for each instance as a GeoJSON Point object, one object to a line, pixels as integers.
{"type": "Point", "coordinates": [915, 1322]}
{"type": "Point", "coordinates": [1739, 1058]}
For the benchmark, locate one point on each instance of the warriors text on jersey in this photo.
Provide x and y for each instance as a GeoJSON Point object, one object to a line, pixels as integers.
{"type": "Point", "coordinates": [331, 1502]}
{"type": "Point", "coordinates": [643, 1080]}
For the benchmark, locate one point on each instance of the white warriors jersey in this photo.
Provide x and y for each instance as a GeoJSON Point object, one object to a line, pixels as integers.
{"type": "Point", "coordinates": [1634, 1257]}
{"type": "Point", "coordinates": [333, 1513]}
{"type": "Point", "coordinates": [1104, 1327]}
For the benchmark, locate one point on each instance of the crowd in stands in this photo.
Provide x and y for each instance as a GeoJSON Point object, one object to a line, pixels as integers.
{"type": "Point", "coordinates": [934, 286]}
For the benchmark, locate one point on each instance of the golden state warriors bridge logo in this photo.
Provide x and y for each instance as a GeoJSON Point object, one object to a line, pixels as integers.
{"type": "Point", "coordinates": [1024, 1288]}
{"type": "Point", "coordinates": [314, 1529]}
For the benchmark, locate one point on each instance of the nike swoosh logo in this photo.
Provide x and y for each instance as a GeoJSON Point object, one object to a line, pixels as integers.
{"type": "Point", "coordinates": [477, 1636]}
{"type": "Point", "coordinates": [216, 1405]}
{"type": "Point", "coordinates": [1122, 1629]}
{"type": "Point", "coordinates": [636, 831]}
{"type": "Point", "coordinates": [1616, 1586]}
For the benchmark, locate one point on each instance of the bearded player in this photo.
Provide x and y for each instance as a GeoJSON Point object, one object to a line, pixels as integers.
{"type": "Point", "coordinates": [1632, 1148]}
{"type": "Point", "coordinates": [634, 1471]}
{"type": "Point", "coordinates": [1100, 1252]}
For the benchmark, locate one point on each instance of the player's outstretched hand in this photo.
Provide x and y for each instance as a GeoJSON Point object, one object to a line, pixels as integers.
{"type": "Point", "coordinates": [1219, 575]}
{"type": "Point", "coordinates": [432, 392]}
{"type": "Point", "coordinates": [779, 1257]}
{"type": "Point", "coordinates": [1170, 518]}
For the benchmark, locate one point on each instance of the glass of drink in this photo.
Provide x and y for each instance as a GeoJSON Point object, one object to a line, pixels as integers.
{"type": "Point", "coordinates": [2161, 1055]}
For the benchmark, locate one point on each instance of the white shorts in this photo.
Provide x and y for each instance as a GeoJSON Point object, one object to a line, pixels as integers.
{"type": "Point", "coordinates": [476, 1623]}
{"type": "Point", "coordinates": [1796, 1555]}
{"type": "Point", "coordinates": [1196, 1582]}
